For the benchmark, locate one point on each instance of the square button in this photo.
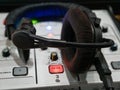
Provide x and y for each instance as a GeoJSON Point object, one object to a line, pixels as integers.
{"type": "Point", "coordinates": [115, 64]}
{"type": "Point", "coordinates": [55, 69]}
{"type": "Point", "coordinates": [20, 71]}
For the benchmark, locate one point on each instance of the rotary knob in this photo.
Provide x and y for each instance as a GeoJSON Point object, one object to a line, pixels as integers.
{"type": "Point", "coordinates": [104, 29]}
{"type": "Point", "coordinates": [6, 52]}
{"type": "Point", "coordinates": [54, 56]}
{"type": "Point", "coordinates": [114, 47]}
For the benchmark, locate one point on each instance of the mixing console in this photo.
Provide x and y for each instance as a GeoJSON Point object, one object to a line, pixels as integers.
{"type": "Point", "coordinates": [45, 68]}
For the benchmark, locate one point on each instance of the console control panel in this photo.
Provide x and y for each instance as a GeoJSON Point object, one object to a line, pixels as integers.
{"type": "Point", "coordinates": [45, 69]}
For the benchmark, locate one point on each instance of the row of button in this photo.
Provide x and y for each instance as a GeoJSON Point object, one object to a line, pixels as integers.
{"type": "Point", "coordinates": [115, 64]}
{"type": "Point", "coordinates": [53, 69]}
{"type": "Point", "coordinates": [23, 71]}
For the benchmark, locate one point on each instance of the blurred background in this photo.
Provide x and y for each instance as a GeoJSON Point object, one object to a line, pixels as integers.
{"type": "Point", "coordinates": [112, 5]}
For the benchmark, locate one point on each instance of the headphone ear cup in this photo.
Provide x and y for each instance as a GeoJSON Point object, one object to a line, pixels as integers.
{"type": "Point", "coordinates": [77, 28]}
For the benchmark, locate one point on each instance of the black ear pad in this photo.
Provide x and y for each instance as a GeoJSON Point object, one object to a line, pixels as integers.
{"type": "Point", "coordinates": [77, 28]}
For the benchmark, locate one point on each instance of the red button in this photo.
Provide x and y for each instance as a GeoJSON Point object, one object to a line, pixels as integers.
{"type": "Point", "coordinates": [55, 69]}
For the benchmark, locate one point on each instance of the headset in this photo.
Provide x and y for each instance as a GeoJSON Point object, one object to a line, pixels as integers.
{"type": "Point", "coordinates": [81, 35]}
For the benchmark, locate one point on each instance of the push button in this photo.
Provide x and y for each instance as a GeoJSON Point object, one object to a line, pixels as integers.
{"type": "Point", "coordinates": [54, 56]}
{"type": "Point", "coordinates": [115, 64]}
{"type": "Point", "coordinates": [20, 71]}
{"type": "Point", "coordinates": [55, 69]}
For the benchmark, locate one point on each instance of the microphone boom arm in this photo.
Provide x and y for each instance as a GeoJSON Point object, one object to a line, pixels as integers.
{"type": "Point", "coordinates": [44, 42]}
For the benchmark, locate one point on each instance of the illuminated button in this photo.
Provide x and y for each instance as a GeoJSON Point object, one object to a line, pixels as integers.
{"type": "Point", "coordinates": [55, 69]}
{"type": "Point", "coordinates": [54, 56]}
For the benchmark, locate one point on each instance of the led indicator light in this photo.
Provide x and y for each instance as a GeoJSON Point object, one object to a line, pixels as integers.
{"type": "Point", "coordinates": [4, 22]}
{"type": "Point", "coordinates": [34, 21]}
{"type": "Point", "coordinates": [49, 27]}
{"type": "Point", "coordinates": [50, 35]}
{"type": "Point", "coordinates": [55, 69]}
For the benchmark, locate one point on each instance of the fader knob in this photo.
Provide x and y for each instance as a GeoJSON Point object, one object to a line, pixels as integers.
{"type": "Point", "coordinates": [54, 56]}
{"type": "Point", "coordinates": [6, 52]}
